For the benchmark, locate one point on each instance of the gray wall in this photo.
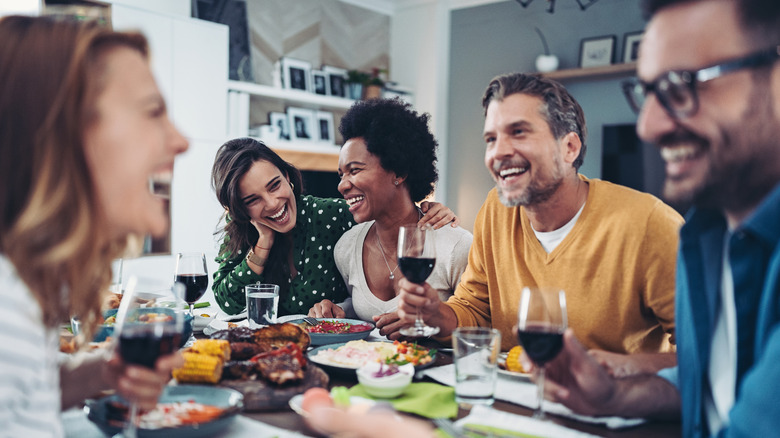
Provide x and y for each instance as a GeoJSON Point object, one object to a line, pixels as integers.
{"type": "Point", "coordinates": [499, 38]}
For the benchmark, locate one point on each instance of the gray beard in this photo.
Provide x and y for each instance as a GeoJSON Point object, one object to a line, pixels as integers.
{"type": "Point", "coordinates": [533, 195]}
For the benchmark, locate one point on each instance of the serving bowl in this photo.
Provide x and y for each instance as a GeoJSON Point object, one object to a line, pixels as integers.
{"type": "Point", "coordinates": [334, 338]}
{"type": "Point", "coordinates": [386, 386]}
{"type": "Point", "coordinates": [106, 330]}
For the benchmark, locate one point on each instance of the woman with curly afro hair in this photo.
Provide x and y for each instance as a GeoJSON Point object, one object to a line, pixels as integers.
{"type": "Point", "coordinates": [386, 166]}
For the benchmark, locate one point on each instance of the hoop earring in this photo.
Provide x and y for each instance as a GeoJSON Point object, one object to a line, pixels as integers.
{"type": "Point", "coordinates": [292, 185]}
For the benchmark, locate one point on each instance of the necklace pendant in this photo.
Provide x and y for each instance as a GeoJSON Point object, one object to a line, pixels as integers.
{"type": "Point", "coordinates": [392, 277]}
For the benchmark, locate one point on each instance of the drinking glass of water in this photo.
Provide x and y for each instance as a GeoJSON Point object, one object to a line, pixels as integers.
{"type": "Point", "coordinates": [475, 353]}
{"type": "Point", "coordinates": [262, 304]}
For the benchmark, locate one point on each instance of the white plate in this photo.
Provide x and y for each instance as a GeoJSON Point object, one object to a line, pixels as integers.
{"type": "Point", "coordinates": [296, 403]}
{"type": "Point", "coordinates": [511, 374]}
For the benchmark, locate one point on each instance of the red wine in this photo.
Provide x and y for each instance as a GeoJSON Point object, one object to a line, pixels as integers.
{"type": "Point", "coordinates": [139, 344]}
{"type": "Point", "coordinates": [416, 269]}
{"type": "Point", "coordinates": [541, 344]}
{"type": "Point", "coordinates": [195, 286]}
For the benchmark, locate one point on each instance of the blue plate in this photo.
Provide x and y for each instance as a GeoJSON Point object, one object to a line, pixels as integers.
{"type": "Point", "coordinates": [334, 338]}
{"type": "Point", "coordinates": [231, 400]}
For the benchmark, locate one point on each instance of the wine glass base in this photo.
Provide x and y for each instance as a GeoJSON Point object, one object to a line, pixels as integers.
{"type": "Point", "coordinates": [417, 331]}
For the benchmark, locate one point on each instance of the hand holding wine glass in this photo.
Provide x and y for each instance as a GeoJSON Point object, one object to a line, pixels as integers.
{"type": "Point", "coordinates": [192, 273]}
{"type": "Point", "coordinates": [416, 259]}
{"type": "Point", "coordinates": [146, 333]}
{"type": "Point", "coordinates": [540, 326]}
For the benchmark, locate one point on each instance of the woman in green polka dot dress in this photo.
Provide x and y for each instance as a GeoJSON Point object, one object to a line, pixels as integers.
{"type": "Point", "coordinates": [275, 234]}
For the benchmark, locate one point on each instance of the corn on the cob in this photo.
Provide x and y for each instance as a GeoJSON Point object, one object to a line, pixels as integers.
{"type": "Point", "coordinates": [199, 368]}
{"type": "Point", "coordinates": [212, 347]}
{"type": "Point", "coordinates": [513, 359]}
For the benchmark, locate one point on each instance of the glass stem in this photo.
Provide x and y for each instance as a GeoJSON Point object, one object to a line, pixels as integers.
{"type": "Point", "coordinates": [192, 309]}
{"type": "Point", "coordinates": [131, 428]}
{"type": "Point", "coordinates": [418, 320]}
{"type": "Point", "coordinates": [539, 413]}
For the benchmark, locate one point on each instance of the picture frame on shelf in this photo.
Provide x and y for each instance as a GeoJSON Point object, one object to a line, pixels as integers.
{"type": "Point", "coordinates": [302, 127]}
{"type": "Point", "coordinates": [296, 74]}
{"type": "Point", "coordinates": [319, 82]}
{"type": "Point", "coordinates": [325, 131]}
{"type": "Point", "coordinates": [597, 51]}
{"type": "Point", "coordinates": [337, 78]}
{"type": "Point", "coordinates": [631, 42]}
{"type": "Point", "coordinates": [281, 121]}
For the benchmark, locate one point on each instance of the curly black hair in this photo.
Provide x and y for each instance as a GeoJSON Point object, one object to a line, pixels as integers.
{"type": "Point", "coordinates": [399, 137]}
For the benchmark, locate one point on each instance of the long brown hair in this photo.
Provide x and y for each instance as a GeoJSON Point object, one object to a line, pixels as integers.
{"type": "Point", "coordinates": [233, 161]}
{"type": "Point", "coordinates": [52, 227]}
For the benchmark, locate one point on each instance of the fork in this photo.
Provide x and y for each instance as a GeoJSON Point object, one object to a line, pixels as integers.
{"type": "Point", "coordinates": [309, 320]}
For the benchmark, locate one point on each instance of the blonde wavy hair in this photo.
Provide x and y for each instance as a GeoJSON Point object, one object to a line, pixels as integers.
{"type": "Point", "coordinates": [52, 227]}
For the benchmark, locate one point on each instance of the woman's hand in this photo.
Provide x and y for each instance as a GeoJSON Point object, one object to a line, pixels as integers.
{"type": "Point", "coordinates": [389, 324]}
{"type": "Point", "coordinates": [326, 309]}
{"type": "Point", "coordinates": [138, 383]}
{"type": "Point", "coordinates": [266, 235]}
{"type": "Point", "coordinates": [437, 215]}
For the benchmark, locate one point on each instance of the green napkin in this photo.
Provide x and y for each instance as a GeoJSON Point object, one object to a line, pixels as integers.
{"type": "Point", "coordinates": [430, 400]}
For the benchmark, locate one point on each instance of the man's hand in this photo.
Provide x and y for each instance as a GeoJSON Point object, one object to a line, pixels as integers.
{"type": "Point", "coordinates": [138, 383]}
{"type": "Point", "coordinates": [326, 309]}
{"type": "Point", "coordinates": [437, 215]}
{"type": "Point", "coordinates": [389, 324]}
{"type": "Point", "coordinates": [624, 365]}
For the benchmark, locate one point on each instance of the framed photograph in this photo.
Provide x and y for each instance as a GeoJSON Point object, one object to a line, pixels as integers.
{"type": "Point", "coordinates": [319, 82]}
{"type": "Point", "coordinates": [325, 132]}
{"type": "Point", "coordinates": [336, 80]}
{"type": "Point", "coordinates": [631, 46]}
{"type": "Point", "coordinates": [295, 74]}
{"type": "Point", "coordinates": [281, 121]}
{"type": "Point", "coordinates": [597, 52]}
{"type": "Point", "coordinates": [302, 125]}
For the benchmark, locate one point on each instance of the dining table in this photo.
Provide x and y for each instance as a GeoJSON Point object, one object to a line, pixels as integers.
{"type": "Point", "coordinates": [290, 420]}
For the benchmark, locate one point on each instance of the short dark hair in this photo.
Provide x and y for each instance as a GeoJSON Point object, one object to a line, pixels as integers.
{"type": "Point", "coordinates": [399, 137]}
{"type": "Point", "coordinates": [760, 19]}
{"type": "Point", "coordinates": [560, 109]}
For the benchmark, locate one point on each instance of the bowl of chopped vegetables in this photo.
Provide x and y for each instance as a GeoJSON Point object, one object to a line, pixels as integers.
{"type": "Point", "coordinates": [383, 380]}
{"type": "Point", "coordinates": [106, 329]}
{"type": "Point", "coordinates": [336, 330]}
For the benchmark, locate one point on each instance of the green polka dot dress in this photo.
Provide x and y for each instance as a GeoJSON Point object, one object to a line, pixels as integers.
{"type": "Point", "coordinates": [320, 223]}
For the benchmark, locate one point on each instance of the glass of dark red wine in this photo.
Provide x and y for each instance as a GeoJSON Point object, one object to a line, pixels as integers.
{"type": "Point", "coordinates": [192, 273]}
{"type": "Point", "coordinates": [541, 321]}
{"type": "Point", "coordinates": [145, 333]}
{"type": "Point", "coordinates": [416, 258]}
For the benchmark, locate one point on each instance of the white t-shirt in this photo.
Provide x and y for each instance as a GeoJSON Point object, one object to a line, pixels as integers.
{"type": "Point", "coordinates": [452, 254]}
{"type": "Point", "coordinates": [551, 239]}
{"type": "Point", "coordinates": [29, 368]}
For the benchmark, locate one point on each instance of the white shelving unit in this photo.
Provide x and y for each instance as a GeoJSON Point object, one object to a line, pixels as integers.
{"type": "Point", "coordinates": [304, 155]}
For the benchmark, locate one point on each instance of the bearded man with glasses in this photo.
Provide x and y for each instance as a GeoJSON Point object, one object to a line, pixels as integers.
{"type": "Point", "coordinates": [708, 95]}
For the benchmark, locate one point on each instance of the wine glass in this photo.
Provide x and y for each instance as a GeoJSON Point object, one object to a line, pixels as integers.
{"type": "Point", "coordinates": [416, 258]}
{"type": "Point", "coordinates": [541, 322]}
{"type": "Point", "coordinates": [146, 333]}
{"type": "Point", "coordinates": [192, 273]}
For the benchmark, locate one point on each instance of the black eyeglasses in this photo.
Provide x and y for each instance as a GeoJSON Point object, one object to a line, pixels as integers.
{"type": "Point", "coordinates": [676, 90]}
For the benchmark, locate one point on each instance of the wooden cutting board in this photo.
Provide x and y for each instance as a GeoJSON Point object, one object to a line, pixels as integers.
{"type": "Point", "coordinates": [260, 395]}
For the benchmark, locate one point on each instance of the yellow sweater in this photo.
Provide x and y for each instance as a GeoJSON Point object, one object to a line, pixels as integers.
{"type": "Point", "coordinates": [616, 265]}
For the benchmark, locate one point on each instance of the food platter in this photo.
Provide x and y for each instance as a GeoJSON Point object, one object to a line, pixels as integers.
{"type": "Point", "coordinates": [312, 355]}
{"type": "Point", "coordinates": [228, 399]}
{"type": "Point", "coordinates": [510, 374]}
{"type": "Point", "coordinates": [260, 395]}
{"type": "Point", "coordinates": [335, 338]}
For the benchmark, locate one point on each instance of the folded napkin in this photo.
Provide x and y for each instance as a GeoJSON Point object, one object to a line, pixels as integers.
{"type": "Point", "coordinates": [502, 423]}
{"type": "Point", "coordinates": [425, 399]}
{"type": "Point", "coordinates": [524, 393]}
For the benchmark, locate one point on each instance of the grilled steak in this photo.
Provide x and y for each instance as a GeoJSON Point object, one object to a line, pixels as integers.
{"type": "Point", "coordinates": [282, 365]}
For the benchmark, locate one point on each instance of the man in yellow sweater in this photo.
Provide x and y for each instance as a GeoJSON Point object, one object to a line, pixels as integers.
{"type": "Point", "coordinates": [610, 248]}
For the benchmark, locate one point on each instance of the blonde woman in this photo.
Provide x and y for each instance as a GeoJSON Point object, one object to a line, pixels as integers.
{"type": "Point", "coordinates": [83, 128]}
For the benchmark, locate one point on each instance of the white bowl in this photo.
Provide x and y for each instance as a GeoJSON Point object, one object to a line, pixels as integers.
{"type": "Point", "coordinates": [387, 386]}
{"type": "Point", "coordinates": [200, 322]}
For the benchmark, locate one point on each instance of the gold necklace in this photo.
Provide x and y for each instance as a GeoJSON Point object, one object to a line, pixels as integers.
{"type": "Point", "coordinates": [382, 250]}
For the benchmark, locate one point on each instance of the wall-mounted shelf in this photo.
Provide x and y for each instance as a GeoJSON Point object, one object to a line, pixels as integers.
{"type": "Point", "coordinates": [589, 73]}
{"type": "Point", "coordinates": [291, 96]}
